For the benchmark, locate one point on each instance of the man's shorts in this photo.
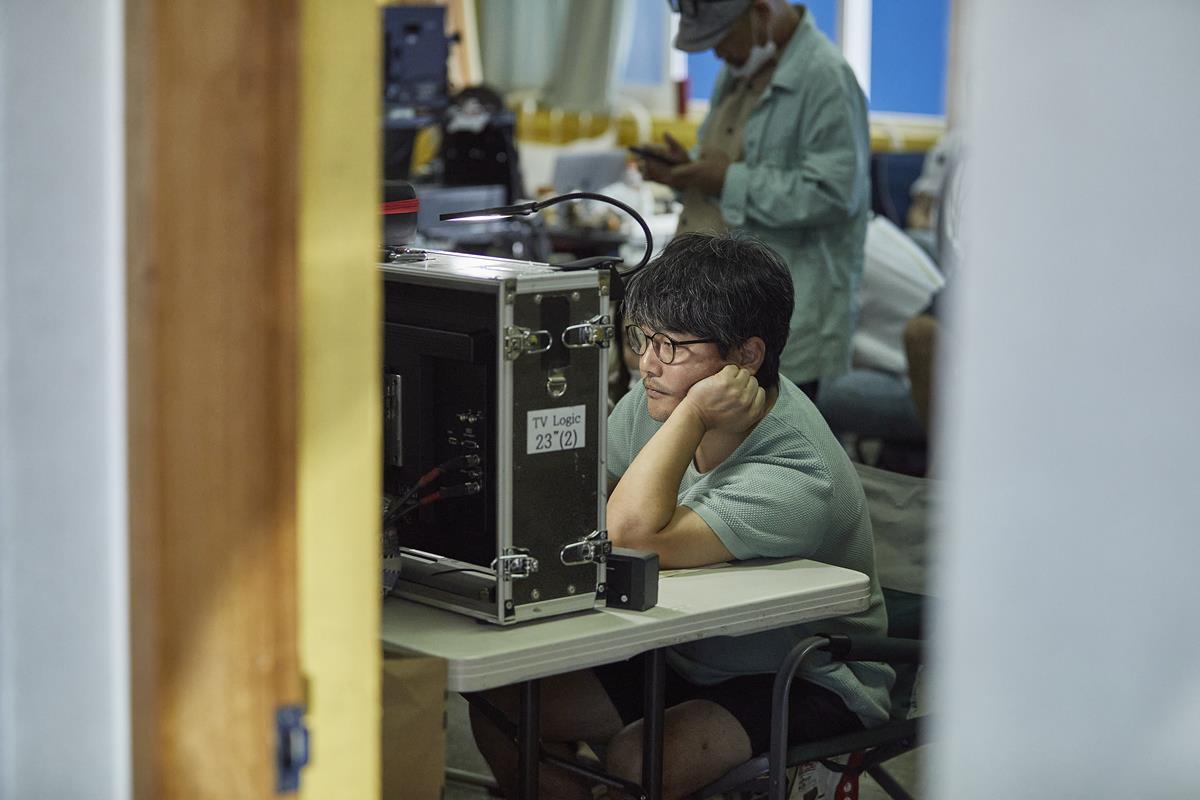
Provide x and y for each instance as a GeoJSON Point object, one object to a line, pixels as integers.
{"type": "Point", "coordinates": [815, 713]}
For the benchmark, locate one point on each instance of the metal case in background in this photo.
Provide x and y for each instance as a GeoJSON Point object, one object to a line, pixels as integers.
{"type": "Point", "coordinates": [507, 361]}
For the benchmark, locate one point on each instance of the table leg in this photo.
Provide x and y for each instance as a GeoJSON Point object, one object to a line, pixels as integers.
{"type": "Point", "coordinates": [527, 740]}
{"type": "Point", "coordinates": [652, 724]}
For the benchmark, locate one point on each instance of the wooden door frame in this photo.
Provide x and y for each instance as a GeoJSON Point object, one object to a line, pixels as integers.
{"type": "Point", "coordinates": [212, 207]}
{"type": "Point", "coordinates": [254, 407]}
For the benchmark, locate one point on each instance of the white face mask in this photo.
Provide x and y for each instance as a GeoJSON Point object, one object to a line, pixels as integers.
{"type": "Point", "coordinates": [759, 54]}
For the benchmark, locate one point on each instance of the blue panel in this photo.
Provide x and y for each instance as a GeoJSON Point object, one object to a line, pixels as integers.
{"type": "Point", "coordinates": [909, 40]}
{"type": "Point", "coordinates": [824, 13]}
{"type": "Point", "coordinates": [703, 67]}
{"type": "Point", "coordinates": [702, 73]}
{"type": "Point", "coordinates": [646, 62]}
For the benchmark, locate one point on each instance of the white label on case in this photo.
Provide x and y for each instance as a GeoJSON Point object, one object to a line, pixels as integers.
{"type": "Point", "coordinates": [551, 429]}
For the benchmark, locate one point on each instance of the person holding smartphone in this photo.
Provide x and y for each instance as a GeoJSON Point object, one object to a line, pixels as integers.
{"type": "Point", "coordinates": [783, 155]}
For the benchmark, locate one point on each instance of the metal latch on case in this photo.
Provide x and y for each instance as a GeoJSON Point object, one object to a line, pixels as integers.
{"type": "Point", "coordinates": [518, 341]}
{"type": "Point", "coordinates": [596, 332]}
{"type": "Point", "coordinates": [556, 382]}
{"type": "Point", "coordinates": [592, 549]}
{"type": "Point", "coordinates": [515, 563]}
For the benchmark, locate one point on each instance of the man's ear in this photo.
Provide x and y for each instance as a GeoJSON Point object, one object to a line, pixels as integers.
{"type": "Point", "coordinates": [750, 354]}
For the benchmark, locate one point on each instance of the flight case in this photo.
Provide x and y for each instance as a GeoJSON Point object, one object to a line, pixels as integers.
{"type": "Point", "coordinates": [495, 411]}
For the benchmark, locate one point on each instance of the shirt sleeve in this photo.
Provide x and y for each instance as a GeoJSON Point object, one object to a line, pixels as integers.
{"type": "Point", "coordinates": [824, 185]}
{"type": "Point", "coordinates": [720, 87]}
{"type": "Point", "coordinates": [770, 507]}
{"type": "Point", "coordinates": [621, 430]}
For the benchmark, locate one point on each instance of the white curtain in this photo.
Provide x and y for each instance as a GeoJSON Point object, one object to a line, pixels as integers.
{"type": "Point", "coordinates": [568, 52]}
{"type": "Point", "coordinates": [519, 42]}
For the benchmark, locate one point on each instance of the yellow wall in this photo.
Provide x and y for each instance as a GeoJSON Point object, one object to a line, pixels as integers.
{"type": "Point", "coordinates": [889, 133]}
{"type": "Point", "coordinates": [339, 396]}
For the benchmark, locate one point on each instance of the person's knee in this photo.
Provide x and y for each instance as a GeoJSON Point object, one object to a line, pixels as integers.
{"type": "Point", "coordinates": [574, 706]}
{"type": "Point", "coordinates": [919, 334]}
{"type": "Point", "coordinates": [623, 756]}
{"type": "Point", "coordinates": [701, 742]}
{"type": "Point", "coordinates": [715, 741]}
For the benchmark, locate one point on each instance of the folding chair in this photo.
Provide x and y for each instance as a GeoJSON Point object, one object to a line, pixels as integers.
{"type": "Point", "coordinates": [898, 505]}
{"type": "Point", "coordinates": [766, 774]}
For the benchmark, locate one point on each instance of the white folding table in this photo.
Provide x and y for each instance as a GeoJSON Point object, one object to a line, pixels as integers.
{"type": "Point", "coordinates": [725, 600]}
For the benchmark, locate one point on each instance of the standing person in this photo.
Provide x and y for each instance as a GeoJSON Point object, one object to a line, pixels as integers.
{"type": "Point", "coordinates": [783, 155]}
{"type": "Point", "coordinates": [714, 457]}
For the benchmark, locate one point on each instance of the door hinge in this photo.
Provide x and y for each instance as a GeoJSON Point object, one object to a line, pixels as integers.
{"type": "Point", "coordinates": [291, 748]}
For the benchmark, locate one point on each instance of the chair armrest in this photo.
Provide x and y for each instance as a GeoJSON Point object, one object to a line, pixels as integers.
{"type": "Point", "coordinates": [874, 648]}
{"type": "Point", "coordinates": [842, 648]}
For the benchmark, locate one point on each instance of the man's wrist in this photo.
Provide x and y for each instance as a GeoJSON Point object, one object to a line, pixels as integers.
{"type": "Point", "coordinates": [691, 415]}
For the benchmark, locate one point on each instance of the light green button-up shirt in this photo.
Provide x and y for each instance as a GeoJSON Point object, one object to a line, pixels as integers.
{"type": "Point", "coordinates": [802, 187]}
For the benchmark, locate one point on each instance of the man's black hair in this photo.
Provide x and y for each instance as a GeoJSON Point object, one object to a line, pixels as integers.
{"type": "Point", "coordinates": [722, 287]}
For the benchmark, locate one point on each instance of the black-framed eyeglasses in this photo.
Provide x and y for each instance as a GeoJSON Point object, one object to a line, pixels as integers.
{"type": "Point", "coordinates": [664, 346]}
{"type": "Point", "coordinates": [690, 8]}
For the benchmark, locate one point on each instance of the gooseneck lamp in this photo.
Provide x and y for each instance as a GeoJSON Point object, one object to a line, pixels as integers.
{"type": "Point", "coordinates": [596, 262]}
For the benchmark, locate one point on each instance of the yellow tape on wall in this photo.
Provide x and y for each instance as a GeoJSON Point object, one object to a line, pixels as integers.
{"type": "Point", "coordinates": [889, 133]}
{"type": "Point", "coordinates": [338, 459]}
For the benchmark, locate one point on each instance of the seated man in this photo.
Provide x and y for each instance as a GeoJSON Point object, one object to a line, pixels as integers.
{"type": "Point", "coordinates": [715, 457]}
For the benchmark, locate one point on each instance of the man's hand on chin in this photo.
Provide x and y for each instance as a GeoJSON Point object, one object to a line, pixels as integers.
{"type": "Point", "coordinates": [730, 400]}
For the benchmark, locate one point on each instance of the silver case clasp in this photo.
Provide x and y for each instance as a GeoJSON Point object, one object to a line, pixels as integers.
{"type": "Point", "coordinates": [515, 563]}
{"type": "Point", "coordinates": [518, 341]}
{"type": "Point", "coordinates": [596, 332]}
{"type": "Point", "coordinates": [592, 549]}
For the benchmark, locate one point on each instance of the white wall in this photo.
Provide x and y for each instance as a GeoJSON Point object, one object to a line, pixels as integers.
{"type": "Point", "coordinates": [64, 720]}
{"type": "Point", "coordinates": [854, 36]}
{"type": "Point", "coordinates": [1067, 650]}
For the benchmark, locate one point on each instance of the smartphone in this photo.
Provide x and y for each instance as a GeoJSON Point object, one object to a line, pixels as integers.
{"type": "Point", "coordinates": [654, 155]}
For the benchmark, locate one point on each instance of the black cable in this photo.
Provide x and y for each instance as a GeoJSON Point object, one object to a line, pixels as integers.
{"type": "Point", "coordinates": [447, 493]}
{"type": "Point", "coordinates": [587, 263]}
{"type": "Point", "coordinates": [397, 510]}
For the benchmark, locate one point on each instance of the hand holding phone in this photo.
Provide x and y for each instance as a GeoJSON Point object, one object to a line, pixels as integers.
{"type": "Point", "coordinates": [651, 154]}
{"type": "Point", "coordinates": [658, 163]}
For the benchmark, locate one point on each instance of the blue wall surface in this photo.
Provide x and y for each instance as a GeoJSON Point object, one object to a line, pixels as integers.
{"type": "Point", "coordinates": [908, 55]}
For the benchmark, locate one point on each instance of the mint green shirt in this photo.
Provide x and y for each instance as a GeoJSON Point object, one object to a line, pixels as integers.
{"type": "Point", "coordinates": [802, 187]}
{"type": "Point", "coordinates": [788, 491]}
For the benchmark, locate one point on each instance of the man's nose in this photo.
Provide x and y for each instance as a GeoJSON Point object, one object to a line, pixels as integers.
{"type": "Point", "coordinates": [648, 361]}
